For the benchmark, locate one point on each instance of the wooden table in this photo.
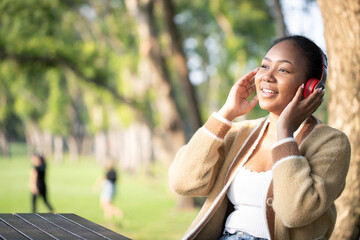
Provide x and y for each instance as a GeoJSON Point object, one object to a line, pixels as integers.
{"type": "Point", "coordinates": [44, 226]}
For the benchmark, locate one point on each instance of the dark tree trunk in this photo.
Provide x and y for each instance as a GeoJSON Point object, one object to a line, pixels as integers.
{"type": "Point", "coordinates": [181, 66]}
{"type": "Point", "coordinates": [4, 146]}
{"type": "Point", "coordinates": [278, 15]}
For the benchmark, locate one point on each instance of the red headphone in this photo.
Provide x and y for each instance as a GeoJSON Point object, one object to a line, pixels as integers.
{"type": "Point", "coordinates": [314, 83]}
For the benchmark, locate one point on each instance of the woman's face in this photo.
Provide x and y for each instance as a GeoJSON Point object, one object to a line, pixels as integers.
{"type": "Point", "coordinates": [282, 71]}
{"type": "Point", "coordinates": [35, 161]}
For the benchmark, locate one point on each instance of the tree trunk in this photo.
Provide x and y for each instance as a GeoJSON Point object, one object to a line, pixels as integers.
{"type": "Point", "coordinates": [181, 66]}
{"type": "Point", "coordinates": [281, 29]}
{"type": "Point", "coordinates": [34, 138]}
{"type": "Point", "coordinates": [58, 149]}
{"type": "Point", "coordinates": [73, 149]}
{"type": "Point", "coordinates": [113, 142]}
{"type": "Point", "coordinates": [4, 146]}
{"type": "Point", "coordinates": [100, 147]}
{"type": "Point", "coordinates": [170, 127]}
{"type": "Point", "coordinates": [47, 142]}
{"type": "Point", "coordinates": [86, 144]}
{"type": "Point", "coordinates": [128, 149]}
{"type": "Point", "coordinates": [134, 147]}
{"type": "Point", "coordinates": [342, 35]}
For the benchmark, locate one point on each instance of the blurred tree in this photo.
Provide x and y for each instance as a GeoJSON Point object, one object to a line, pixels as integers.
{"type": "Point", "coordinates": [180, 62]}
{"type": "Point", "coordinates": [244, 40]}
{"type": "Point", "coordinates": [342, 35]}
{"type": "Point", "coordinates": [125, 76]}
{"type": "Point", "coordinates": [42, 35]}
{"type": "Point", "coordinates": [56, 119]}
{"type": "Point", "coordinates": [29, 101]}
{"type": "Point", "coordinates": [171, 124]}
{"type": "Point", "coordinates": [5, 110]}
{"type": "Point", "coordinates": [32, 40]}
{"type": "Point", "coordinates": [222, 40]}
{"type": "Point", "coordinates": [281, 29]}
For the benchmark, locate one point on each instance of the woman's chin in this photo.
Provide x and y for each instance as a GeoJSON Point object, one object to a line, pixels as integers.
{"type": "Point", "coordinates": [265, 106]}
{"type": "Point", "coordinates": [271, 108]}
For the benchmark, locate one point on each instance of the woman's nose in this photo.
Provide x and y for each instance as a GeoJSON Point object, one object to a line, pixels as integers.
{"type": "Point", "coordinates": [268, 77]}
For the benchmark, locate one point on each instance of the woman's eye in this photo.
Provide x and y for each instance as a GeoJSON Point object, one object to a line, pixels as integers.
{"type": "Point", "coordinates": [283, 70]}
{"type": "Point", "coordinates": [264, 66]}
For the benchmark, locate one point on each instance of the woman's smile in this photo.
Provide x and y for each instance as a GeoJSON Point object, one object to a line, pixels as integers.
{"type": "Point", "coordinates": [268, 93]}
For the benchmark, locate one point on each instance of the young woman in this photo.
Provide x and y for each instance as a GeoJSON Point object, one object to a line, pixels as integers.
{"type": "Point", "coordinates": [272, 178]}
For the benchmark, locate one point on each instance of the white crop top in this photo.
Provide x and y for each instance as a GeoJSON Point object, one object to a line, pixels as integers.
{"type": "Point", "coordinates": [248, 195]}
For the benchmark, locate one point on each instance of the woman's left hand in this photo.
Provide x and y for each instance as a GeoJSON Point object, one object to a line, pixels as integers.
{"type": "Point", "coordinates": [297, 111]}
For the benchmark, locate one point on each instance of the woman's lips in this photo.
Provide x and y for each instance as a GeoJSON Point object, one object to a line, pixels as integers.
{"type": "Point", "coordinates": [265, 92]}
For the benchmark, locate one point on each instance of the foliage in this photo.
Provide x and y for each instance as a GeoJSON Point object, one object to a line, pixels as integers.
{"type": "Point", "coordinates": [223, 39]}
{"type": "Point", "coordinates": [70, 65]}
{"type": "Point", "coordinates": [55, 120]}
{"type": "Point", "coordinates": [40, 43]}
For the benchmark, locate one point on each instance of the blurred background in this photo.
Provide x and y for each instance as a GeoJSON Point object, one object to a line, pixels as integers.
{"type": "Point", "coordinates": [87, 82]}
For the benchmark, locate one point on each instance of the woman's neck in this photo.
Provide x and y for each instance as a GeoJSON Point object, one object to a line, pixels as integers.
{"type": "Point", "coordinates": [272, 128]}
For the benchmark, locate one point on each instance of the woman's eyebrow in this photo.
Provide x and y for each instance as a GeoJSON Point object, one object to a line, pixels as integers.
{"type": "Point", "coordinates": [281, 60]}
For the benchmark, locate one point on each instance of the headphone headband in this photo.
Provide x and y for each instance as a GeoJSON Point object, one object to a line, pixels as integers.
{"type": "Point", "coordinates": [314, 83]}
{"type": "Point", "coordinates": [324, 69]}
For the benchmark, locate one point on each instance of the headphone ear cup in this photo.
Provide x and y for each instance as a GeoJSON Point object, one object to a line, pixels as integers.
{"type": "Point", "coordinates": [310, 86]}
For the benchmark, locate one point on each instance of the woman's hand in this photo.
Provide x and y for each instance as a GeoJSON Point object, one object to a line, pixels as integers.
{"type": "Point", "coordinates": [236, 103]}
{"type": "Point", "coordinates": [34, 190]}
{"type": "Point", "coordinates": [297, 111]}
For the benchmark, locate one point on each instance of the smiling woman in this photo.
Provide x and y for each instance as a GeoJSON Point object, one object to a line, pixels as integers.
{"type": "Point", "coordinates": [270, 178]}
{"type": "Point", "coordinates": [280, 75]}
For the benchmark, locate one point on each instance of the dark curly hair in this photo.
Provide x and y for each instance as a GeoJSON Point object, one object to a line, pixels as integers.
{"type": "Point", "coordinates": [311, 51]}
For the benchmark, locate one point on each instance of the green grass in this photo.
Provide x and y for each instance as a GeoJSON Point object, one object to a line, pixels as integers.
{"type": "Point", "coordinates": [149, 206]}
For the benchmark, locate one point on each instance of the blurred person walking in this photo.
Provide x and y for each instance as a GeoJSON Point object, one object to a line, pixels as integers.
{"type": "Point", "coordinates": [108, 192]}
{"type": "Point", "coordinates": [37, 181]}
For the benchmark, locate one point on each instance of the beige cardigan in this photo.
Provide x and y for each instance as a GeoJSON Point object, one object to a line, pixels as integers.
{"type": "Point", "coordinates": [308, 176]}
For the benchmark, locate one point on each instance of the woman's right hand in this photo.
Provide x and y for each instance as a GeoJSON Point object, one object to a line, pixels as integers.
{"type": "Point", "coordinates": [236, 103]}
{"type": "Point", "coordinates": [34, 190]}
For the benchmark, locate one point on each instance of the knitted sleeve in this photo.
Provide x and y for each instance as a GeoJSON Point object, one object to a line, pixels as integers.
{"type": "Point", "coordinates": [307, 180]}
{"type": "Point", "coordinates": [196, 165]}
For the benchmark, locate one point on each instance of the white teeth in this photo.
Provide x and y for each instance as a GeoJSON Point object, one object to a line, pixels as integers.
{"type": "Point", "coordinates": [268, 91]}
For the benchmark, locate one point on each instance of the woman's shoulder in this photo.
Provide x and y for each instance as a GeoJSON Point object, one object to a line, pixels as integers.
{"type": "Point", "coordinates": [325, 129]}
{"type": "Point", "coordinates": [323, 133]}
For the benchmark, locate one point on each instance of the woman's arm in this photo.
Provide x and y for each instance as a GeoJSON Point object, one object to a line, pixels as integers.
{"type": "Point", "coordinates": [197, 164]}
{"type": "Point", "coordinates": [33, 179]}
{"type": "Point", "coordinates": [308, 180]}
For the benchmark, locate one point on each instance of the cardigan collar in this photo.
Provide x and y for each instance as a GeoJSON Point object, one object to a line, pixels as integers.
{"type": "Point", "coordinates": [247, 148]}
{"type": "Point", "coordinates": [257, 134]}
